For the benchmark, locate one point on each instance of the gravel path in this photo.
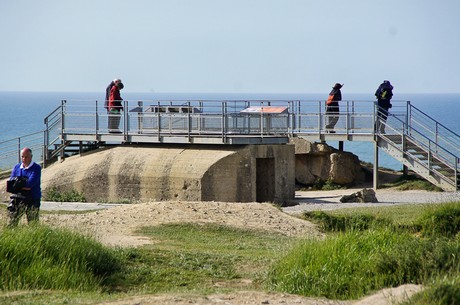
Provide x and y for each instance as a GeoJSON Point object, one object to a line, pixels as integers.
{"type": "Point", "coordinates": [330, 200]}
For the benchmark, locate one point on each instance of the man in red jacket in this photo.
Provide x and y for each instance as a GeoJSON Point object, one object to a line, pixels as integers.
{"type": "Point", "coordinates": [115, 107]}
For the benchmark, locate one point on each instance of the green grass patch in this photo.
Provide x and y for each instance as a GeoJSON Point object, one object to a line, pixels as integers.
{"type": "Point", "coordinates": [441, 291]}
{"type": "Point", "coordinates": [188, 257]}
{"type": "Point", "coordinates": [38, 257]}
{"type": "Point", "coordinates": [443, 220]}
{"type": "Point", "coordinates": [353, 264]}
{"type": "Point", "coordinates": [373, 248]}
{"type": "Point", "coordinates": [412, 182]}
{"type": "Point", "coordinates": [341, 223]}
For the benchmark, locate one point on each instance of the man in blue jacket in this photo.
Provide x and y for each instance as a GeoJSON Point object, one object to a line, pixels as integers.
{"type": "Point", "coordinates": [27, 198]}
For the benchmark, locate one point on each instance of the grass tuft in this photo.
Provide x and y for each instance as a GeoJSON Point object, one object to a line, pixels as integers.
{"type": "Point", "coordinates": [352, 264]}
{"type": "Point", "coordinates": [38, 257]}
{"type": "Point", "coordinates": [441, 221]}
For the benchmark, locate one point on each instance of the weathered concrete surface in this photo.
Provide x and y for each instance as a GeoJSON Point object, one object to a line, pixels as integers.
{"type": "Point", "coordinates": [319, 161]}
{"type": "Point", "coordinates": [191, 173]}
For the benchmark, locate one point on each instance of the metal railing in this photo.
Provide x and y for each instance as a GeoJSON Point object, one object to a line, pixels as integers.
{"type": "Point", "coordinates": [222, 118]}
{"type": "Point", "coordinates": [10, 151]}
{"type": "Point", "coordinates": [231, 118]}
{"type": "Point", "coordinates": [433, 146]}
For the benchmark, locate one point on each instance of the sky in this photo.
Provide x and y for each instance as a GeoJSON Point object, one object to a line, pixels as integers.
{"type": "Point", "coordinates": [230, 46]}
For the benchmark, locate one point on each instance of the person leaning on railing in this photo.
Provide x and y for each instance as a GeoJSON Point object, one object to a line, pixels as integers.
{"type": "Point", "coordinates": [332, 107]}
{"type": "Point", "coordinates": [115, 107]}
{"type": "Point", "coordinates": [24, 184]}
{"type": "Point", "coordinates": [107, 92]}
{"type": "Point", "coordinates": [384, 93]}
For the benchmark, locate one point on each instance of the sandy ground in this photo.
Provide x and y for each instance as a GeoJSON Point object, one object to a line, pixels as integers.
{"type": "Point", "coordinates": [114, 225]}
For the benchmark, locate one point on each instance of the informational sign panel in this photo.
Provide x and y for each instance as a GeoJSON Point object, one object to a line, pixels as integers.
{"type": "Point", "coordinates": [265, 109]}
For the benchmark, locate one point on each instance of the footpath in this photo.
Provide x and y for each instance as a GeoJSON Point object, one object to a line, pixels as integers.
{"type": "Point", "coordinates": [304, 200]}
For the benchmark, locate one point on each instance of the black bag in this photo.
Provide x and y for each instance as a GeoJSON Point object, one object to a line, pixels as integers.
{"type": "Point", "coordinates": [15, 184]}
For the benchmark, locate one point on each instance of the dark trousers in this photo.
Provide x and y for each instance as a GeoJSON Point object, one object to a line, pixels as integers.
{"type": "Point", "coordinates": [382, 115]}
{"type": "Point", "coordinates": [114, 120]}
{"type": "Point", "coordinates": [21, 206]}
{"type": "Point", "coordinates": [332, 113]}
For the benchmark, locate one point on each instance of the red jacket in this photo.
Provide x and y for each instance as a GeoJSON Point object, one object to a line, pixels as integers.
{"type": "Point", "coordinates": [115, 99]}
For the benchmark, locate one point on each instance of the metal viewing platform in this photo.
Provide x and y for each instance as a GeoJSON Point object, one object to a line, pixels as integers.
{"type": "Point", "coordinates": [411, 136]}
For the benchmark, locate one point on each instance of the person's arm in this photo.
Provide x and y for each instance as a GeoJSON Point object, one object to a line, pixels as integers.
{"type": "Point", "coordinates": [34, 177]}
{"type": "Point", "coordinates": [14, 172]}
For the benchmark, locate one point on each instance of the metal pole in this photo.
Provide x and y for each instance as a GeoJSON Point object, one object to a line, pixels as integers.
{"type": "Point", "coordinates": [376, 165]}
{"type": "Point", "coordinates": [97, 121]}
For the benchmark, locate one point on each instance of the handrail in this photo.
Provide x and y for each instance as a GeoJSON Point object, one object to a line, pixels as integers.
{"type": "Point", "coordinates": [11, 150]}
{"type": "Point", "coordinates": [226, 119]}
{"type": "Point", "coordinates": [431, 147]}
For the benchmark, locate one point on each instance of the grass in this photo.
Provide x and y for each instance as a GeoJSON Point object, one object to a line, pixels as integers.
{"type": "Point", "coordinates": [185, 258]}
{"type": "Point", "coordinates": [194, 257]}
{"type": "Point", "coordinates": [364, 250]}
{"type": "Point", "coordinates": [412, 182]}
{"type": "Point", "coordinates": [368, 251]}
{"type": "Point", "coordinates": [38, 257]}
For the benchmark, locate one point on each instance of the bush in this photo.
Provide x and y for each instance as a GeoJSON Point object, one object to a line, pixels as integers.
{"type": "Point", "coordinates": [72, 196]}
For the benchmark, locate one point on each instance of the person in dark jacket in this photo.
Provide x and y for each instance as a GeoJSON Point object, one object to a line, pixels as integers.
{"type": "Point", "coordinates": [115, 107]}
{"type": "Point", "coordinates": [332, 107]}
{"type": "Point", "coordinates": [384, 93]}
{"type": "Point", "coordinates": [27, 198]}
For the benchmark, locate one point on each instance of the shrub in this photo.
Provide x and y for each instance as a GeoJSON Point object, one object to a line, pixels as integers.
{"type": "Point", "coordinates": [72, 196]}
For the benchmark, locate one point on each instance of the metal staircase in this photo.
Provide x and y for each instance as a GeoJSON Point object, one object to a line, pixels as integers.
{"type": "Point", "coordinates": [425, 146]}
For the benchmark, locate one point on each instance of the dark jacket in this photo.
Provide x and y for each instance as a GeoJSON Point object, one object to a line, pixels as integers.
{"type": "Point", "coordinates": [107, 94]}
{"type": "Point", "coordinates": [334, 97]}
{"type": "Point", "coordinates": [384, 93]}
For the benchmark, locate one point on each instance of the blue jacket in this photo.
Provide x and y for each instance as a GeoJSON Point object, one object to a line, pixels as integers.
{"type": "Point", "coordinates": [33, 173]}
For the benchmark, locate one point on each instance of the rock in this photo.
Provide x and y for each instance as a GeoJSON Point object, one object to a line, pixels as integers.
{"type": "Point", "coordinates": [366, 195]}
{"type": "Point", "coordinates": [320, 162]}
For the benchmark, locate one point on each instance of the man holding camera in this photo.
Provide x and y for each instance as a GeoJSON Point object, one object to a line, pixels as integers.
{"type": "Point", "coordinates": [26, 193]}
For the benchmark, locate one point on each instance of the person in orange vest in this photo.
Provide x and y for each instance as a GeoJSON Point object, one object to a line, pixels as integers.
{"type": "Point", "coordinates": [332, 107]}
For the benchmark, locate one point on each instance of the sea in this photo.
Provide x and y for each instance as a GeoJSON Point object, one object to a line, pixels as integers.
{"type": "Point", "coordinates": [23, 113]}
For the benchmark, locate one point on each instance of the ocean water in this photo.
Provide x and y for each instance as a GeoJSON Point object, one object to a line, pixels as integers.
{"type": "Point", "coordinates": [24, 112]}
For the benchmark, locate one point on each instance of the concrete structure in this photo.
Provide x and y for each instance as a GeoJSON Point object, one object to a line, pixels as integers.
{"type": "Point", "coordinates": [244, 173]}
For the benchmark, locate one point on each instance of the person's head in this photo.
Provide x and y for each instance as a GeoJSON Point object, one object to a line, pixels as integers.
{"type": "Point", "coordinates": [116, 81]}
{"type": "Point", "coordinates": [26, 156]}
{"type": "Point", "coordinates": [337, 86]}
{"type": "Point", "coordinates": [120, 85]}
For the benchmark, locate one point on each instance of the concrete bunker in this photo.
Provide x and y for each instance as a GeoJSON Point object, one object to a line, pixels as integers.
{"type": "Point", "coordinates": [227, 173]}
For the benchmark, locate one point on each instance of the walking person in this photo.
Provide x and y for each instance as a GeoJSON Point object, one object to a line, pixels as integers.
{"type": "Point", "coordinates": [115, 107]}
{"type": "Point", "coordinates": [384, 93]}
{"type": "Point", "coordinates": [332, 107]}
{"type": "Point", "coordinates": [26, 194]}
